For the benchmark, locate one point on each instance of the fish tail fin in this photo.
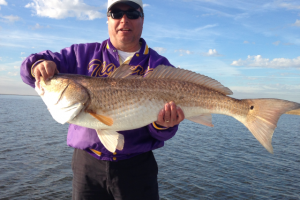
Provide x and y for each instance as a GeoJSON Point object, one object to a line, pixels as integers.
{"type": "Point", "coordinates": [263, 116]}
{"type": "Point", "coordinates": [293, 112]}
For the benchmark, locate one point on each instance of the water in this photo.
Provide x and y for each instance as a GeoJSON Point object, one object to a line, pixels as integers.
{"type": "Point", "coordinates": [224, 162]}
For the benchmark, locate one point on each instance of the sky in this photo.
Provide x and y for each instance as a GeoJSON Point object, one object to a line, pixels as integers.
{"type": "Point", "coordinates": [250, 46]}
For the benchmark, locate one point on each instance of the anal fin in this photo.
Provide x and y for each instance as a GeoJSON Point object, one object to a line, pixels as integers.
{"type": "Point", "coordinates": [204, 119]}
{"type": "Point", "coordinates": [111, 139]}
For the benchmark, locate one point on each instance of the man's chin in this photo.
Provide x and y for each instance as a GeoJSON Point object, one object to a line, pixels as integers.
{"type": "Point", "coordinates": [126, 40]}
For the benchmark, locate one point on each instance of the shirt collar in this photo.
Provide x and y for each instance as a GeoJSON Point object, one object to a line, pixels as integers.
{"type": "Point", "coordinates": [143, 51]}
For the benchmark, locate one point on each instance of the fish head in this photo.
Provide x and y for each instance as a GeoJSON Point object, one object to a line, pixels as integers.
{"type": "Point", "coordinates": [64, 97]}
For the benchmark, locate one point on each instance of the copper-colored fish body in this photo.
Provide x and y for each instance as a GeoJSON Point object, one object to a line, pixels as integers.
{"type": "Point", "coordinates": [124, 102]}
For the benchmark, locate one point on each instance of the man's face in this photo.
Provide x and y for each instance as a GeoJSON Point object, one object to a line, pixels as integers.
{"type": "Point", "coordinates": [125, 33]}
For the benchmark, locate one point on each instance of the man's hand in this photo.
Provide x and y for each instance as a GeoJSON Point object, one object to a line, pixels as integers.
{"type": "Point", "coordinates": [170, 115]}
{"type": "Point", "coordinates": [46, 69]}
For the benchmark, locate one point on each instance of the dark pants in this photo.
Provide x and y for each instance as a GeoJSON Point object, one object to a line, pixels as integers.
{"type": "Point", "coordinates": [131, 179]}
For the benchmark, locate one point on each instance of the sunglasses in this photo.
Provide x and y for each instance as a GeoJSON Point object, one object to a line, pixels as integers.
{"type": "Point", "coordinates": [131, 14]}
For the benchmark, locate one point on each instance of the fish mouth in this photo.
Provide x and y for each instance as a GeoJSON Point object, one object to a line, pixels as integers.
{"type": "Point", "coordinates": [39, 89]}
{"type": "Point", "coordinates": [61, 94]}
{"type": "Point", "coordinates": [66, 114]}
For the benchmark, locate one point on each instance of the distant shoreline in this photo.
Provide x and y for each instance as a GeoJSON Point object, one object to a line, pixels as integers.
{"type": "Point", "coordinates": [21, 95]}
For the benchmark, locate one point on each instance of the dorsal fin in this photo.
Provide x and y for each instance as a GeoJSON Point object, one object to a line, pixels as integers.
{"type": "Point", "coordinates": [124, 71]}
{"type": "Point", "coordinates": [168, 72]}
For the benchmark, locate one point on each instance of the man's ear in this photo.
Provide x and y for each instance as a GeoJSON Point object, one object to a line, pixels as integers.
{"type": "Point", "coordinates": [143, 20]}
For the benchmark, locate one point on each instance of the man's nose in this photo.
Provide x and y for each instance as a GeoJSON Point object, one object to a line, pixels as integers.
{"type": "Point", "coordinates": [124, 19]}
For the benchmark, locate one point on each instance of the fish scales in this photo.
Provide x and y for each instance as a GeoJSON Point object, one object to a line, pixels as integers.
{"type": "Point", "coordinates": [128, 94]}
{"type": "Point", "coordinates": [123, 102]}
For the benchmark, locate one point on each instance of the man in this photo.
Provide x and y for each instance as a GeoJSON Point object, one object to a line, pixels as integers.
{"type": "Point", "coordinates": [99, 174]}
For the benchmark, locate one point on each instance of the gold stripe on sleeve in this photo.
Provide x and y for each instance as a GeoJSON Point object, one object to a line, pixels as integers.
{"type": "Point", "coordinates": [34, 64]}
{"type": "Point", "coordinates": [155, 126]}
{"type": "Point", "coordinates": [98, 153]}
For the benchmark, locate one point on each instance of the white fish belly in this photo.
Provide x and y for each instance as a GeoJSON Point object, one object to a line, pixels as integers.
{"type": "Point", "coordinates": [193, 111]}
{"type": "Point", "coordinates": [128, 117]}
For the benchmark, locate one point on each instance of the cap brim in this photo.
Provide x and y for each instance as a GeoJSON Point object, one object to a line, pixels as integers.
{"type": "Point", "coordinates": [129, 3]}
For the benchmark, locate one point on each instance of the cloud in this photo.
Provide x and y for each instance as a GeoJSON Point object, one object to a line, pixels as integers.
{"type": "Point", "coordinates": [208, 14]}
{"type": "Point", "coordinates": [37, 26]}
{"type": "Point", "coordinates": [236, 9]}
{"type": "Point", "coordinates": [279, 91]}
{"type": "Point", "coordinates": [218, 69]}
{"type": "Point", "coordinates": [247, 42]}
{"type": "Point", "coordinates": [60, 9]}
{"type": "Point", "coordinates": [3, 2]}
{"type": "Point", "coordinates": [212, 52]}
{"type": "Point", "coordinates": [13, 73]}
{"type": "Point", "coordinates": [206, 27]}
{"type": "Point", "coordinates": [182, 52]}
{"type": "Point", "coordinates": [276, 63]}
{"type": "Point", "coordinates": [145, 5]}
{"type": "Point", "coordinates": [38, 41]}
{"type": "Point", "coordinates": [276, 43]}
{"type": "Point", "coordinates": [290, 6]}
{"type": "Point", "coordinates": [0, 59]}
{"type": "Point", "coordinates": [10, 18]}
{"type": "Point", "coordinates": [157, 31]}
{"type": "Point", "coordinates": [288, 44]}
{"type": "Point", "coordinates": [160, 50]}
{"type": "Point", "coordinates": [10, 69]}
{"type": "Point", "coordinates": [297, 23]}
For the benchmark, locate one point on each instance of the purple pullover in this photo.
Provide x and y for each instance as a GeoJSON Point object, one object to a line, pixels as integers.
{"type": "Point", "coordinates": [99, 60]}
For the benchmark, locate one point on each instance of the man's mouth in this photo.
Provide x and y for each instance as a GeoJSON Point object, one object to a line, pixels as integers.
{"type": "Point", "coordinates": [124, 29]}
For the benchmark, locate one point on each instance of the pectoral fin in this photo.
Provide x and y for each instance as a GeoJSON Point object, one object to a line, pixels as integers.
{"type": "Point", "coordinates": [111, 139]}
{"type": "Point", "coordinates": [105, 120]}
{"type": "Point", "coordinates": [204, 119]}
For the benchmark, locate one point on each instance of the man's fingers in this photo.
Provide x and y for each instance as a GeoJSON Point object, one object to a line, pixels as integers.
{"type": "Point", "coordinates": [167, 116]}
{"type": "Point", "coordinates": [180, 115]}
{"type": "Point", "coordinates": [43, 73]}
{"type": "Point", "coordinates": [161, 115]}
{"type": "Point", "coordinates": [45, 69]}
{"type": "Point", "coordinates": [170, 115]}
{"type": "Point", "coordinates": [160, 118]}
{"type": "Point", "coordinates": [50, 68]}
{"type": "Point", "coordinates": [173, 114]}
{"type": "Point", "coordinates": [37, 75]}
